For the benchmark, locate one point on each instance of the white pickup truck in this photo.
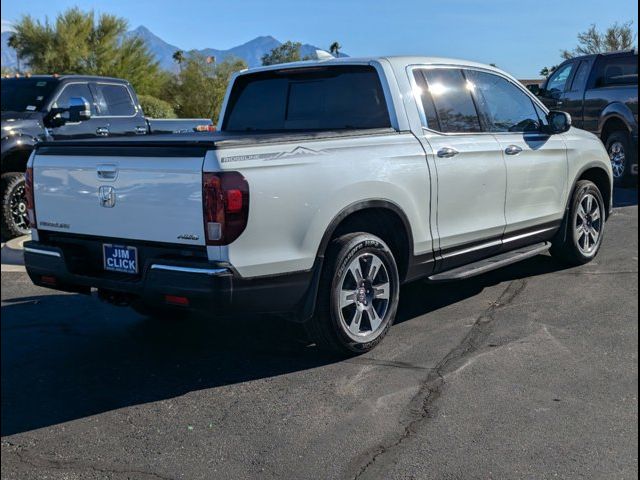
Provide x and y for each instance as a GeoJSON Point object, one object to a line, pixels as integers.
{"type": "Point", "coordinates": [328, 185]}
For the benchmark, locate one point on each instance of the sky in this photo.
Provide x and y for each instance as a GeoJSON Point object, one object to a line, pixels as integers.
{"type": "Point", "coordinates": [518, 36]}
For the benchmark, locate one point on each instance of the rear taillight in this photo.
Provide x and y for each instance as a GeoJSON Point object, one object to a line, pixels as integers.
{"type": "Point", "coordinates": [28, 193]}
{"type": "Point", "coordinates": [225, 200]}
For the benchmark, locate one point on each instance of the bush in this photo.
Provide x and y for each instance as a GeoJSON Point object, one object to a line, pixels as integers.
{"type": "Point", "coordinates": [155, 108]}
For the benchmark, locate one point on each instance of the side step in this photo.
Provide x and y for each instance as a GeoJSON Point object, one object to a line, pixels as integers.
{"type": "Point", "coordinates": [492, 263]}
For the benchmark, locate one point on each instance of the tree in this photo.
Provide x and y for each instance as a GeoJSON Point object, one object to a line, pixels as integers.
{"type": "Point", "coordinates": [198, 90]}
{"type": "Point", "coordinates": [287, 52]}
{"type": "Point", "coordinates": [178, 57]}
{"type": "Point", "coordinates": [546, 71]}
{"type": "Point", "coordinates": [335, 49]}
{"type": "Point", "coordinates": [155, 108]}
{"type": "Point", "coordinates": [619, 36]}
{"type": "Point", "coordinates": [76, 43]}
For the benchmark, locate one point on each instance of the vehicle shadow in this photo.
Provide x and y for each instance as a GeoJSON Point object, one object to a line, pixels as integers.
{"type": "Point", "coordinates": [70, 356]}
{"type": "Point", "coordinates": [625, 197]}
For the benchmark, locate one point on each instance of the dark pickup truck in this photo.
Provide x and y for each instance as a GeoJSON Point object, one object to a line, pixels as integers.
{"type": "Point", "coordinates": [600, 92]}
{"type": "Point", "coordinates": [53, 107]}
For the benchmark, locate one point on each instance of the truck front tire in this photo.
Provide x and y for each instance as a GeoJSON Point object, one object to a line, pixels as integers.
{"type": "Point", "coordinates": [358, 295]}
{"type": "Point", "coordinates": [14, 208]}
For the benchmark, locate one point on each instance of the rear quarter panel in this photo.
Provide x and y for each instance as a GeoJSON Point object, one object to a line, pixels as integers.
{"type": "Point", "coordinates": [297, 189]}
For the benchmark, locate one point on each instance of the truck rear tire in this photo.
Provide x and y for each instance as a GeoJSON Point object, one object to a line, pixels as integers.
{"type": "Point", "coordinates": [358, 295]}
{"type": "Point", "coordinates": [579, 242]}
{"type": "Point", "coordinates": [14, 207]}
{"type": "Point", "coordinates": [621, 156]}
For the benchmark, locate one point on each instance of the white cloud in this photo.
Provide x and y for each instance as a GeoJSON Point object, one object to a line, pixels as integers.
{"type": "Point", "coordinates": [7, 26]}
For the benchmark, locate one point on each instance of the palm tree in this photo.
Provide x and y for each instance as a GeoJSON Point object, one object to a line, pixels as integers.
{"type": "Point", "coordinates": [178, 56]}
{"type": "Point", "coordinates": [335, 49]}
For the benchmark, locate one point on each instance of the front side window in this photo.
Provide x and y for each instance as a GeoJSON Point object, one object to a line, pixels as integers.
{"type": "Point", "coordinates": [506, 108]}
{"type": "Point", "coordinates": [558, 80]}
{"type": "Point", "coordinates": [114, 100]}
{"type": "Point", "coordinates": [318, 98]}
{"type": "Point", "coordinates": [74, 90]}
{"type": "Point", "coordinates": [451, 95]}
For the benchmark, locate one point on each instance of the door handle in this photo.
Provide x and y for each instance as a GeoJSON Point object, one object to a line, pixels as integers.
{"type": "Point", "coordinates": [141, 130]}
{"type": "Point", "coordinates": [102, 131]}
{"type": "Point", "coordinates": [447, 152]}
{"type": "Point", "coordinates": [512, 150]}
{"type": "Point", "coordinates": [559, 102]}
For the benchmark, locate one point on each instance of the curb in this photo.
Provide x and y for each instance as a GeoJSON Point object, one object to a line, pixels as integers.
{"type": "Point", "coordinates": [12, 254]}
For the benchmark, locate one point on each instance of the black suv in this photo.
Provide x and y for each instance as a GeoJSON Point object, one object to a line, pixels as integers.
{"type": "Point", "coordinates": [601, 94]}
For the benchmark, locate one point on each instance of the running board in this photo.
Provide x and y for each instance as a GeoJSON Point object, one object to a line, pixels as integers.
{"type": "Point", "coordinates": [492, 263]}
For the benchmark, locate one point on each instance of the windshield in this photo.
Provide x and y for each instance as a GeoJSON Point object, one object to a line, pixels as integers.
{"type": "Point", "coordinates": [25, 94]}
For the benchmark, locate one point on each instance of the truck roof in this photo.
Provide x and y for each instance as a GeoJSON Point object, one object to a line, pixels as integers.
{"type": "Point", "coordinates": [395, 60]}
{"type": "Point", "coordinates": [62, 78]}
{"type": "Point", "coordinates": [606, 54]}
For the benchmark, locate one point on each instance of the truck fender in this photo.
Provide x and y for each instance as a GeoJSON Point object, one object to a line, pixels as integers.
{"type": "Point", "coordinates": [617, 110]}
{"type": "Point", "coordinates": [12, 144]}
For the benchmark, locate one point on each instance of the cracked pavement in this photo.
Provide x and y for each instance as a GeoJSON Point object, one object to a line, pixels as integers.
{"type": "Point", "coordinates": [526, 372]}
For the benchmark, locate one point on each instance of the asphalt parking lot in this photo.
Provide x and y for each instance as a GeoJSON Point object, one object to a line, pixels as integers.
{"type": "Point", "coordinates": [526, 372]}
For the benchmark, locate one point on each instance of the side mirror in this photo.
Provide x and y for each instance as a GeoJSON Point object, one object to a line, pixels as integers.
{"type": "Point", "coordinates": [559, 122]}
{"type": "Point", "coordinates": [79, 110]}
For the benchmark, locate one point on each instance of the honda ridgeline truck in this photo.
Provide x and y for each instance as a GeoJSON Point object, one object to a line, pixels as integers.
{"type": "Point", "coordinates": [328, 186]}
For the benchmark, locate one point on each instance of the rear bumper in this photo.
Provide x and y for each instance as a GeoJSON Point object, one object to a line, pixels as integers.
{"type": "Point", "coordinates": [209, 287]}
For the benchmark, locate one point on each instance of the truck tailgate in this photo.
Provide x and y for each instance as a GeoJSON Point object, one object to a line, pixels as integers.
{"type": "Point", "coordinates": [121, 193]}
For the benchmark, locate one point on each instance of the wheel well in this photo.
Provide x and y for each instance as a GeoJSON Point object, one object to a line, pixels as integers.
{"type": "Point", "coordinates": [614, 124]}
{"type": "Point", "coordinates": [384, 223]}
{"type": "Point", "coordinates": [601, 179]}
{"type": "Point", "coordinates": [16, 160]}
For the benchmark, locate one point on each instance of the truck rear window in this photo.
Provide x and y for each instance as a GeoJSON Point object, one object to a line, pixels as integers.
{"type": "Point", "coordinates": [314, 98]}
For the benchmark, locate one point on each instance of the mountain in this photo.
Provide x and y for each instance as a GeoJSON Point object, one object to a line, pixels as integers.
{"type": "Point", "coordinates": [251, 52]}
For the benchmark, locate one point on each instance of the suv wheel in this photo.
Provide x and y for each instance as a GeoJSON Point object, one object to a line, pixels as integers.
{"type": "Point", "coordinates": [621, 156]}
{"type": "Point", "coordinates": [358, 295]}
{"type": "Point", "coordinates": [14, 206]}
{"type": "Point", "coordinates": [580, 242]}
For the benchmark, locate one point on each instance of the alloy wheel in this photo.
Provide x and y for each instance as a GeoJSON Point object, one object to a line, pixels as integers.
{"type": "Point", "coordinates": [365, 292]}
{"type": "Point", "coordinates": [18, 208]}
{"type": "Point", "coordinates": [588, 224]}
{"type": "Point", "coordinates": [618, 159]}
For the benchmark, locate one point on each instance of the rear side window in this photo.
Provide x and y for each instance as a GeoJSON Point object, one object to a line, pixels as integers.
{"type": "Point", "coordinates": [318, 98]}
{"type": "Point", "coordinates": [451, 95]}
{"type": "Point", "coordinates": [115, 100]}
{"type": "Point", "coordinates": [505, 107]}
{"type": "Point", "coordinates": [617, 70]}
{"type": "Point", "coordinates": [581, 76]}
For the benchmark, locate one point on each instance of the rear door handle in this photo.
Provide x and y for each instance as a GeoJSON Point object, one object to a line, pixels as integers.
{"type": "Point", "coordinates": [141, 130]}
{"type": "Point", "coordinates": [447, 152]}
{"type": "Point", "coordinates": [102, 131]}
{"type": "Point", "coordinates": [512, 150]}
